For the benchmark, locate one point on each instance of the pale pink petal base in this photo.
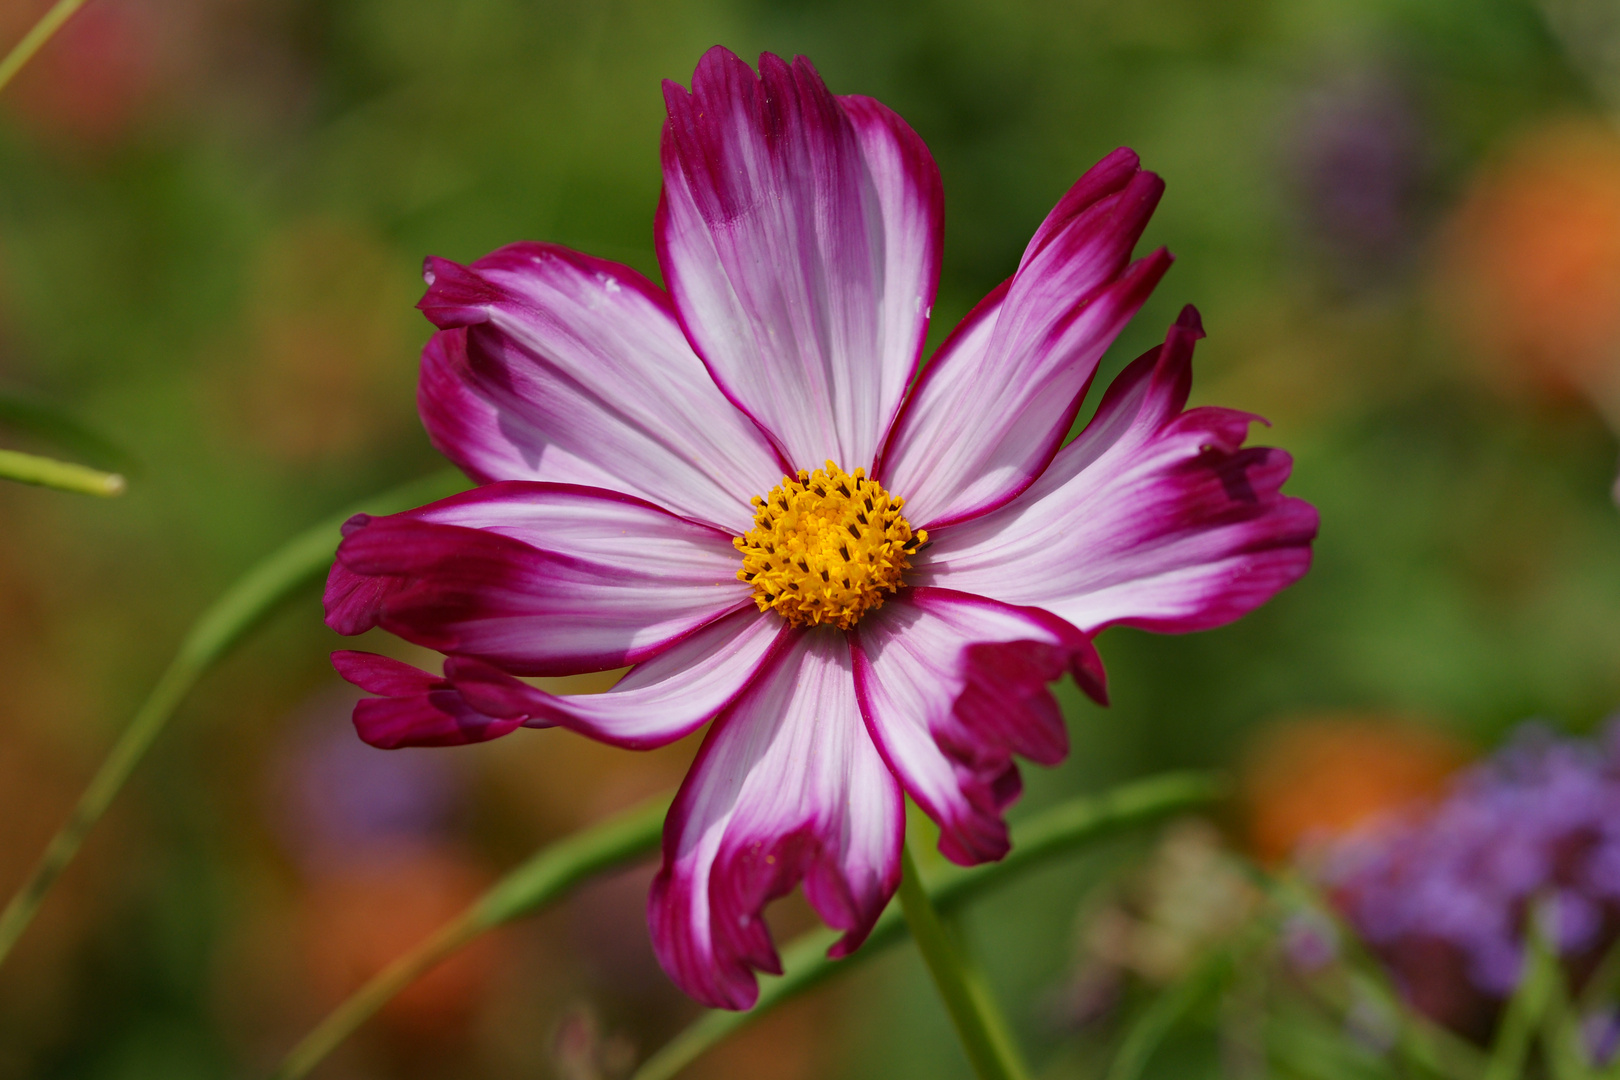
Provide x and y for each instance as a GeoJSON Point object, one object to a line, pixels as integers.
{"type": "Point", "coordinates": [1153, 517]}
{"type": "Point", "coordinates": [659, 701]}
{"type": "Point", "coordinates": [952, 686]}
{"type": "Point", "coordinates": [788, 786]}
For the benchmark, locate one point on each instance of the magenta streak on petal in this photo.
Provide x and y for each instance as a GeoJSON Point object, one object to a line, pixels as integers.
{"type": "Point", "coordinates": [787, 787]}
{"type": "Point", "coordinates": [951, 687]}
{"type": "Point", "coordinates": [1109, 175]}
{"type": "Point", "coordinates": [416, 708]}
{"type": "Point", "coordinates": [659, 701]}
{"type": "Point", "coordinates": [993, 407]}
{"type": "Point", "coordinates": [799, 234]}
{"type": "Point", "coordinates": [1155, 516]}
{"type": "Point", "coordinates": [539, 579]}
{"type": "Point", "coordinates": [551, 365]}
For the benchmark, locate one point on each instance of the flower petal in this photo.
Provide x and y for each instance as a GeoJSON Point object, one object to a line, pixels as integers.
{"type": "Point", "coordinates": [1153, 517]}
{"type": "Point", "coordinates": [659, 701]}
{"type": "Point", "coordinates": [952, 686]}
{"type": "Point", "coordinates": [799, 234]}
{"type": "Point", "coordinates": [551, 365]}
{"type": "Point", "coordinates": [994, 406]}
{"type": "Point", "coordinates": [416, 709]}
{"type": "Point", "coordinates": [788, 786]}
{"type": "Point", "coordinates": [540, 579]}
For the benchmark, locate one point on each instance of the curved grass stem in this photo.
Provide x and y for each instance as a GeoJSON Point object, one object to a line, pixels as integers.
{"type": "Point", "coordinates": [551, 873]}
{"type": "Point", "coordinates": [243, 607]}
{"type": "Point", "coordinates": [973, 1011]}
{"type": "Point", "coordinates": [60, 475]}
{"type": "Point", "coordinates": [49, 23]}
{"type": "Point", "coordinates": [544, 878]}
{"type": "Point", "coordinates": [1036, 841]}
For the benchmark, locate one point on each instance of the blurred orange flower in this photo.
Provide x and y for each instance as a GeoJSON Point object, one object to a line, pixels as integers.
{"type": "Point", "coordinates": [1313, 778]}
{"type": "Point", "coordinates": [358, 920]}
{"type": "Point", "coordinates": [1530, 266]}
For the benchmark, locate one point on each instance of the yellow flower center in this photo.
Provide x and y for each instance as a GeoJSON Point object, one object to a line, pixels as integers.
{"type": "Point", "coordinates": [827, 547]}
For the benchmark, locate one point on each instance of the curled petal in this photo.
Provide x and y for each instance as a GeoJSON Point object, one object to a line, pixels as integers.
{"type": "Point", "coordinates": [539, 579]}
{"type": "Point", "coordinates": [1156, 516]}
{"type": "Point", "coordinates": [415, 708]}
{"type": "Point", "coordinates": [787, 787]}
{"type": "Point", "coordinates": [551, 365]}
{"type": "Point", "coordinates": [659, 701]}
{"type": "Point", "coordinates": [995, 404]}
{"type": "Point", "coordinates": [799, 234]}
{"type": "Point", "coordinates": [952, 686]}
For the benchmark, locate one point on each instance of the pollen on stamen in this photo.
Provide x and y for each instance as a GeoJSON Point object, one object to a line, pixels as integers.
{"type": "Point", "coordinates": [827, 547]}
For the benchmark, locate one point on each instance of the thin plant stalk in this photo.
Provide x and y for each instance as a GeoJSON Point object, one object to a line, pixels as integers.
{"type": "Point", "coordinates": [961, 985]}
{"type": "Point", "coordinates": [61, 475]}
{"type": "Point", "coordinates": [1036, 841]}
{"type": "Point", "coordinates": [35, 39]}
{"type": "Point", "coordinates": [1424, 1043]}
{"type": "Point", "coordinates": [242, 608]}
{"type": "Point", "coordinates": [1526, 1009]}
{"type": "Point", "coordinates": [547, 876]}
{"type": "Point", "coordinates": [1166, 1011]}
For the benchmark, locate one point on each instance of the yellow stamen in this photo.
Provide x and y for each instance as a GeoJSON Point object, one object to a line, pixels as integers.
{"type": "Point", "coordinates": [827, 547]}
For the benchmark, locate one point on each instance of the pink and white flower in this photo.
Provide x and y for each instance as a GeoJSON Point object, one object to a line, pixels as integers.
{"type": "Point", "coordinates": [718, 484]}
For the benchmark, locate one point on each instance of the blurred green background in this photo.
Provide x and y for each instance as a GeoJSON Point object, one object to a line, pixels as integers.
{"type": "Point", "coordinates": [1400, 219]}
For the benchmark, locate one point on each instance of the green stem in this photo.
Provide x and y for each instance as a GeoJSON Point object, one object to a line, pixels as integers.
{"type": "Point", "coordinates": [545, 877]}
{"type": "Point", "coordinates": [1040, 839]}
{"type": "Point", "coordinates": [1166, 1011]}
{"type": "Point", "coordinates": [1418, 1040]}
{"type": "Point", "coordinates": [61, 475]}
{"type": "Point", "coordinates": [35, 39]}
{"type": "Point", "coordinates": [243, 607]}
{"type": "Point", "coordinates": [1526, 1008]}
{"type": "Point", "coordinates": [978, 1022]}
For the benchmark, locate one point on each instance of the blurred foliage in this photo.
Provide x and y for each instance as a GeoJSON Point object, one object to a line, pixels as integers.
{"type": "Point", "coordinates": [211, 220]}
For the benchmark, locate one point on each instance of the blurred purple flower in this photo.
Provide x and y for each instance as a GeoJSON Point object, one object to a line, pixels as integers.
{"type": "Point", "coordinates": [1600, 1031]}
{"type": "Point", "coordinates": [1357, 151]}
{"type": "Point", "coordinates": [1310, 941]}
{"type": "Point", "coordinates": [334, 799]}
{"type": "Point", "coordinates": [1444, 898]}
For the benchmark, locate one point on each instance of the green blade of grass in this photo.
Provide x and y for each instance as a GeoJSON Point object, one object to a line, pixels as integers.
{"type": "Point", "coordinates": [547, 876]}
{"type": "Point", "coordinates": [979, 1025]}
{"type": "Point", "coordinates": [1036, 841]}
{"type": "Point", "coordinates": [60, 475]}
{"type": "Point", "coordinates": [42, 31]}
{"type": "Point", "coordinates": [300, 563]}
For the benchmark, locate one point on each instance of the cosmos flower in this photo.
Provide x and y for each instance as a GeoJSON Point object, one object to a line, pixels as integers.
{"type": "Point", "coordinates": [865, 581]}
{"type": "Point", "coordinates": [1445, 896]}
